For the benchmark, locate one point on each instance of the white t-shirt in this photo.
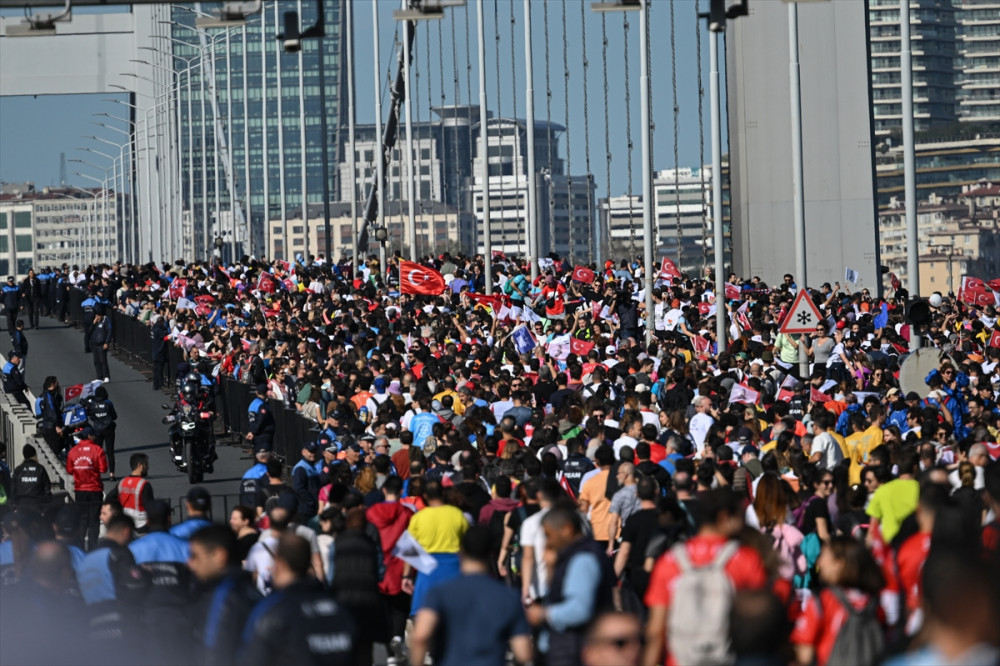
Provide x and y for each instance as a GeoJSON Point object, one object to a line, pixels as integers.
{"type": "Point", "coordinates": [533, 535]}
{"type": "Point", "coordinates": [260, 560]}
{"type": "Point", "coordinates": [700, 423]}
{"type": "Point", "coordinates": [622, 441]}
{"type": "Point", "coordinates": [832, 454]}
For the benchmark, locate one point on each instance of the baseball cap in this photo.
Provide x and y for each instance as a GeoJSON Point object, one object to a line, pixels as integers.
{"type": "Point", "coordinates": [199, 498]}
{"type": "Point", "coordinates": [912, 395]}
{"type": "Point", "coordinates": [429, 446]}
{"type": "Point", "coordinates": [312, 447]}
{"type": "Point", "coordinates": [380, 384]}
{"type": "Point", "coordinates": [891, 393]}
{"type": "Point", "coordinates": [355, 447]}
{"type": "Point", "coordinates": [261, 388]}
{"type": "Point", "coordinates": [750, 448]}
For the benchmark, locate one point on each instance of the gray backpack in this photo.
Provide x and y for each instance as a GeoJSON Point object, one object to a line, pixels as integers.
{"type": "Point", "coordinates": [698, 619]}
{"type": "Point", "coordinates": [860, 640]}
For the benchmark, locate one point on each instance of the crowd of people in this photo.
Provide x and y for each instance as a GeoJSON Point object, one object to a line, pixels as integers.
{"type": "Point", "coordinates": [528, 477]}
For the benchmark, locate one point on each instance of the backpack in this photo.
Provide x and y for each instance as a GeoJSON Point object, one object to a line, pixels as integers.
{"type": "Point", "coordinates": [515, 552]}
{"type": "Point", "coordinates": [860, 639]}
{"type": "Point", "coordinates": [799, 514]}
{"type": "Point", "coordinates": [698, 619]}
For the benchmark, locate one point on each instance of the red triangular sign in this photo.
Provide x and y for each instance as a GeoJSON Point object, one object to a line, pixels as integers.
{"type": "Point", "coordinates": [803, 316]}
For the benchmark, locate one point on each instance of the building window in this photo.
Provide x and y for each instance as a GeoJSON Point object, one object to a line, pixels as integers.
{"type": "Point", "coordinates": [22, 243]}
{"type": "Point", "coordinates": [22, 220]}
{"type": "Point", "coordinates": [297, 230]}
{"type": "Point", "coordinates": [23, 266]}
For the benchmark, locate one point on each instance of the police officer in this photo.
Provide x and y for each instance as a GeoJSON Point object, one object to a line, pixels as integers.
{"type": "Point", "coordinates": [102, 417]}
{"type": "Point", "coordinates": [13, 381]}
{"type": "Point", "coordinates": [19, 343]}
{"type": "Point", "coordinates": [31, 293]}
{"type": "Point", "coordinates": [300, 623]}
{"type": "Point", "coordinates": [158, 350]}
{"type": "Point", "coordinates": [30, 482]}
{"type": "Point", "coordinates": [228, 595]}
{"type": "Point", "coordinates": [89, 309]}
{"type": "Point", "coordinates": [261, 421]}
{"type": "Point", "coordinates": [60, 295]}
{"type": "Point", "coordinates": [11, 296]}
{"type": "Point", "coordinates": [165, 608]}
{"type": "Point", "coordinates": [50, 415]}
{"type": "Point", "coordinates": [100, 340]}
{"type": "Point", "coordinates": [307, 479]}
{"type": "Point", "coordinates": [199, 505]}
{"type": "Point", "coordinates": [254, 479]}
{"type": "Point", "coordinates": [113, 586]}
{"type": "Point", "coordinates": [134, 492]}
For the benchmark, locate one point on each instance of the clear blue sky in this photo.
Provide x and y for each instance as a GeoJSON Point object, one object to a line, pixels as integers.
{"type": "Point", "coordinates": [34, 131]}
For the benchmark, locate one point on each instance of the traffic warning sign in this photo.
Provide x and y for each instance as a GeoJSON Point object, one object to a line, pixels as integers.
{"type": "Point", "coordinates": [803, 316]}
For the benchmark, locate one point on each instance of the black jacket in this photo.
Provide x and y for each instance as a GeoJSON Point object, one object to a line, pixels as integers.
{"type": "Point", "coordinates": [158, 345]}
{"type": "Point", "coordinates": [30, 484]}
{"type": "Point", "coordinates": [51, 410]}
{"type": "Point", "coordinates": [221, 615]}
{"type": "Point", "coordinates": [11, 297]}
{"type": "Point", "coordinates": [31, 289]}
{"type": "Point", "coordinates": [356, 561]}
{"type": "Point", "coordinates": [13, 380]}
{"type": "Point", "coordinates": [19, 343]}
{"type": "Point", "coordinates": [101, 334]}
{"type": "Point", "coordinates": [300, 625]}
{"type": "Point", "coordinates": [565, 646]}
{"type": "Point", "coordinates": [101, 414]}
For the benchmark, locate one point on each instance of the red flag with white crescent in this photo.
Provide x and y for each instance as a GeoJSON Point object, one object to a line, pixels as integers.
{"type": "Point", "coordinates": [417, 279]}
{"type": "Point", "coordinates": [583, 274]}
{"type": "Point", "coordinates": [580, 347]}
{"type": "Point", "coordinates": [732, 292]}
{"type": "Point", "coordinates": [72, 392]}
{"type": "Point", "coordinates": [668, 269]}
{"type": "Point", "coordinates": [994, 339]}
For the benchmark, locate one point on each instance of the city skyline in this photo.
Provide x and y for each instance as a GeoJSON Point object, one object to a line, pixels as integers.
{"type": "Point", "coordinates": [34, 131]}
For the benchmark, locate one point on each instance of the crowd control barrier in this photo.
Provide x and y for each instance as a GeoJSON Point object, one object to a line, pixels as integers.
{"type": "Point", "coordinates": [131, 337]}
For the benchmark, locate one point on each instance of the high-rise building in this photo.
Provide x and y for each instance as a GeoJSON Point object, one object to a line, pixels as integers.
{"type": "Point", "coordinates": [564, 203]}
{"type": "Point", "coordinates": [56, 226]}
{"type": "Point", "coordinates": [261, 128]}
{"type": "Point", "coordinates": [933, 39]}
{"type": "Point", "coordinates": [979, 61]}
{"type": "Point", "coordinates": [681, 196]}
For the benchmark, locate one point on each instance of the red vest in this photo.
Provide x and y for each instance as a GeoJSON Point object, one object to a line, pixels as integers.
{"type": "Point", "coordinates": [130, 497]}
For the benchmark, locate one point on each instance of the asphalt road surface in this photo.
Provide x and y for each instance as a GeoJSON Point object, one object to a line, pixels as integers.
{"type": "Point", "coordinates": [57, 349]}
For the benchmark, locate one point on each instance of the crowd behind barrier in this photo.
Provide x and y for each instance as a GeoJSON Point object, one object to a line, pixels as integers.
{"type": "Point", "coordinates": [233, 398]}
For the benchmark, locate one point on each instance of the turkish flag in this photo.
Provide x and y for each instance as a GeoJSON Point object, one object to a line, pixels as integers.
{"type": "Point", "coordinates": [994, 339]}
{"type": "Point", "coordinates": [818, 396]}
{"type": "Point", "coordinates": [785, 395]}
{"type": "Point", "coordinates": [72, 392]}
{"type": "Point", "coordinates": [202, 310]}
{"type": "Point", "coordinates": [580, 347]}
{"type": "Point", "coordinates": [732, 292]}
{"type": "Point", "coordinates": [583, 274]}
{"type": "Point", "coordinates": [994, 284]}
{"type": "Point", "coordinates": [494, 301]}
{"type": "Point", "coordinates": [265, 283]}
{"type": "Point", "coordinates": [668, 269]}
{"type": "Point", "coordinates": [894, 281]}
{"type": "Point", "coordinates": [204, 299]}
{"type": "Point", "coordinates": [178, 289]}
{"type": "Point", "coordinates": [417, 279]}
{"type": "Point", "coordinates": [701, 345]}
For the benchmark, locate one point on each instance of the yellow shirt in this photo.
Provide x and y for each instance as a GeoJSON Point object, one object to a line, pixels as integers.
{"type": "Point", "coordinates": [457, 405]}
{"type": "Point", "coordinates": [841, 442]}
{"type": "Point", "coordinates": [770, 445]}
{"type": "Point", "coordinates": [859, 447]}
{"type": "Point", "coordinates": [439, 529]}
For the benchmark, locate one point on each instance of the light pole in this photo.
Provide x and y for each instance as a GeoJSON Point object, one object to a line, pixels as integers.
{"type": "Point", "coordinates": [484, 162]}
{"type": "Point", "coordinates": [128, 218]}
{"type": "Point", "coordinates": [909, 160]}
{"type": "Point", "coordinates": [94, 219]}
{"type": "Point", "coordinates": [534, 247]}
{"type": "Point", "coordinates": [83, 232]}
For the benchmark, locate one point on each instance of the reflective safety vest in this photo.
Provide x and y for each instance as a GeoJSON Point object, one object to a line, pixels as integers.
{"type": "Point", "coordinates": [130, 497]}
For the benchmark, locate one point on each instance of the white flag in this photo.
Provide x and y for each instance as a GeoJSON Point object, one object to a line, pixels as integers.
{"type": "Point", "coordinates": [851, 275]}
{"type": "Point", "coordinates": [742, 394]}
{"type": "Point", "coordinates": [186, 304]}
{"type": "Point", "coordinates": [411, 552]}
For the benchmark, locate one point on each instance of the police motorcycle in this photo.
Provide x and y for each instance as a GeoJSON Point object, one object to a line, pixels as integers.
{"type": "Point", "coordinates": [192, 439]}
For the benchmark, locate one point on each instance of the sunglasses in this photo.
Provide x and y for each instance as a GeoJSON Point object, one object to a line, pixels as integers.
{"type": "Point", "coordinates": [619, 642]}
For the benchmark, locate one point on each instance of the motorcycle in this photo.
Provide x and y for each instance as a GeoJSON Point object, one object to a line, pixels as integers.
{"type": "Point", "coordinates": [191, 441]}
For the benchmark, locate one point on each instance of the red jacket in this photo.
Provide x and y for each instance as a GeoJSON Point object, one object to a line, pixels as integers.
{"type": "Point", "coordinates": [391, 519]}
{"type": "Point", "coordinates": [86, 462]}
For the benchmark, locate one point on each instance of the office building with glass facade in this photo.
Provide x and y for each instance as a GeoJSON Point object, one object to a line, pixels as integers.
{"type": "Point", "coordinates": [262, 132]}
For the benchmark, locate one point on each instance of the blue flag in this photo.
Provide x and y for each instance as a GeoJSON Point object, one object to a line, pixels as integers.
{"type": "Point", "coordinates": [524, 342]}
{"type": "Point", "coordinates": [882, 318]}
